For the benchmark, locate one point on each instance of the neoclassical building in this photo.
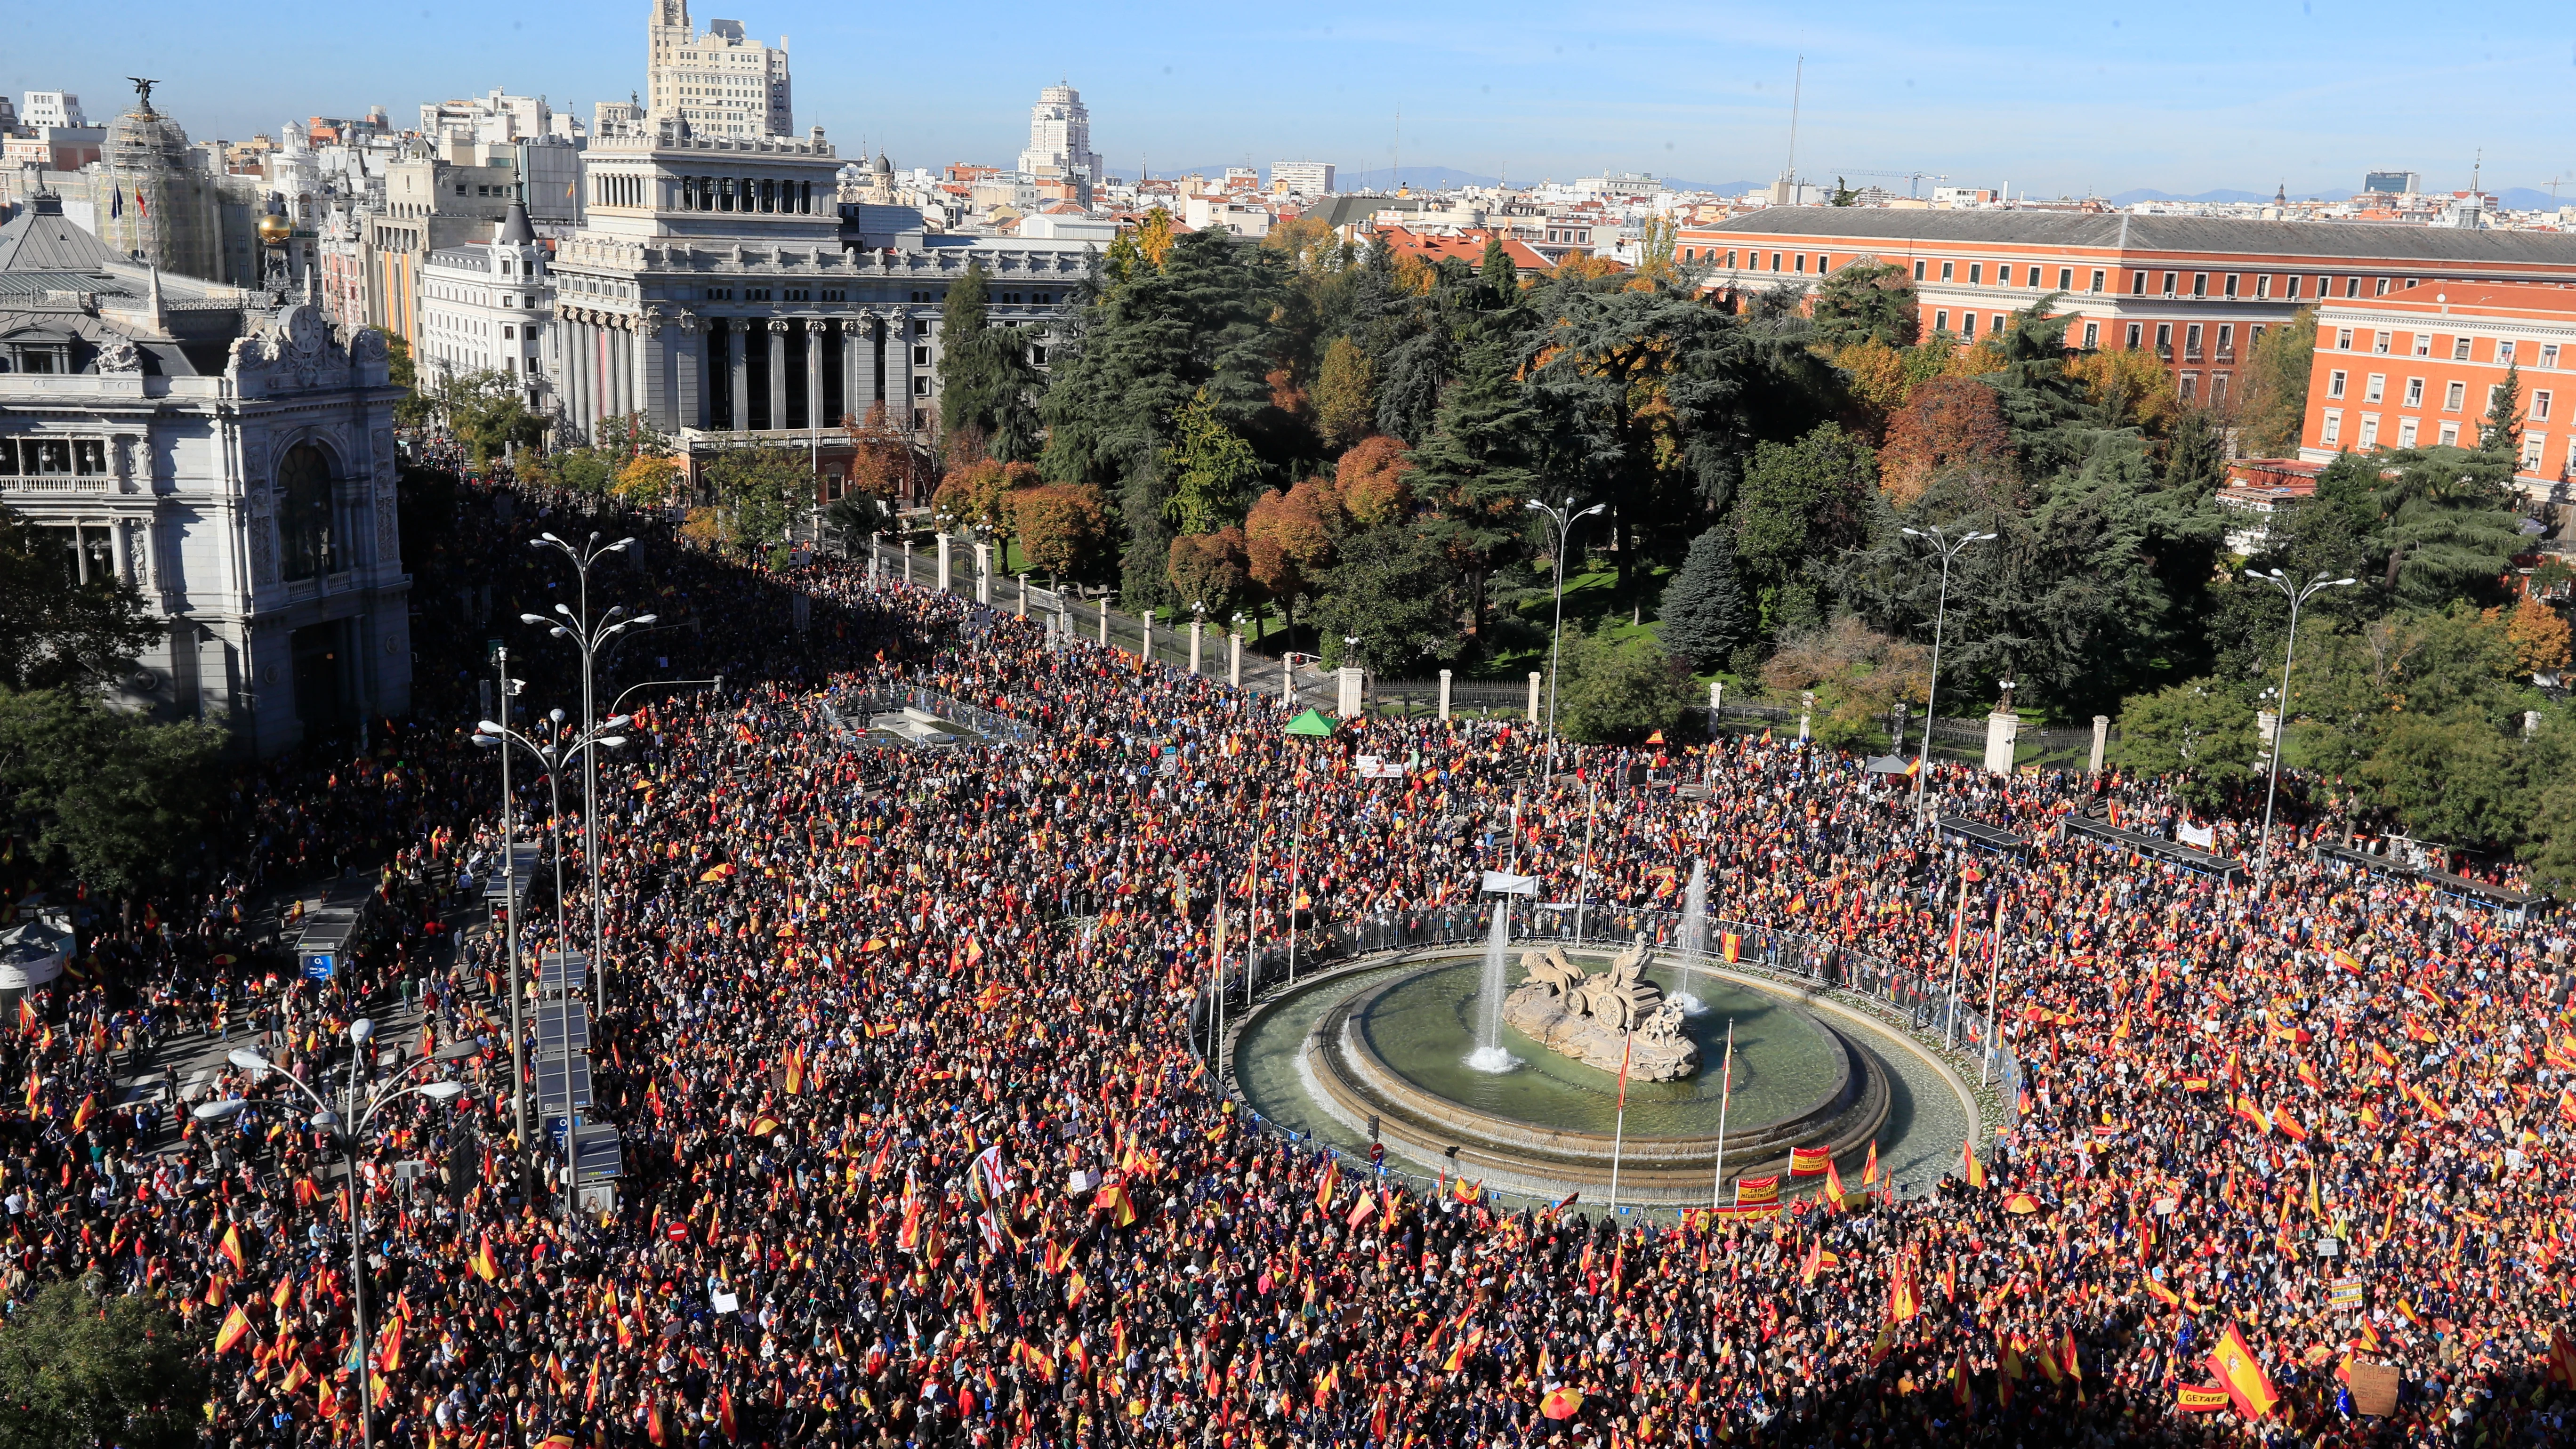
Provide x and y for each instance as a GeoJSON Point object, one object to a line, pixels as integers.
{"type": "Point", "coordinates": [720, 290]}
{"type": "Point", "coordinates": [231, 453]}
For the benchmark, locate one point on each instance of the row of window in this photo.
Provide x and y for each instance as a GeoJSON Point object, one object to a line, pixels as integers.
{"type": "Point", "coordinates": [53, 457]}
{"type": "Point", "coordinates": [2287, 286]}
{"type": "Point", "coordinates": [2454, 397]}
{"type": "Point", "coordinates": [727, 193]}
{"type": "Point", "coordinates": [2535, 446]}
{"type": "Point", "coordinates": [2503, 353]}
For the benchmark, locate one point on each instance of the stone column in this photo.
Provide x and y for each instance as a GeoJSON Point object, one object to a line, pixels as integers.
{"type": "Point", "coordinates": [943, 563]}
{"type": "Point", "coordinates": [1198, 631]}
{"type": "Point", "coordinates": [1147, 652]}
{"type": "Point", "coordinates": [1716, 699]}
{"type": "Point", "coordinates": [1104, 621]}
{"type": "Point", "coordinates": [983, 573]}
{"type": "Point", "coordinates": [689, 375]}
{"type": "Point", "coordinates": [814, 372]}
{"type": "Point", "coordinates": [907, 560]}
{"type": "Point", "coordinates": [1234, 660]}
{"type": "Point", "coordinates": [854, 390]}
{"type": "Point", "coordinates": [652, 367]}
{"type": "Point", "coordinates": [738, 360]}
{"type": "Point", "coordinates": [2101, 738]}
{"type": "Point", "coordinates": [1023, 610]}
{"type": "Point", "coordinates": [613, 364]}
{"type": "Point", "coordinates": [1806, 714]}
{"type": "Point", "coordinates": [899, 364]}
{"type": "Point", "coordinates": [1533, 698]}
{"type": "Point", "coordinates": [2001, 728]}
{"type": "Point", "coordinates": [575, 384]}
{"type": "Point", "coordinates": [117, 543]}
{"type": "Point", "coordinates": [778, 372]}
{"type": "Point", "coordinates": [1351, 679]}
{"type": "Point", "coordinates": [1444, 694]}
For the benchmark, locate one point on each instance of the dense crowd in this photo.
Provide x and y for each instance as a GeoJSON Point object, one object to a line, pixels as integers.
{"type": "Point", "coordinates": [870, 1009]}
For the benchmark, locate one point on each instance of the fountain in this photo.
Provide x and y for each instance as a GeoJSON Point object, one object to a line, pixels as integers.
{"type": "Point", "coordinates": [1489, 1055]}
{"type": "Point", "coordinates": [1694, 941]}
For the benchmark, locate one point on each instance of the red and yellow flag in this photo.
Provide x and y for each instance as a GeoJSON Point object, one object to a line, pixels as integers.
{"type": "Point", "coordinates": [485, 1266]}
{"type": "Point", "coordinates": [236, 1327]}
{"type": "Point", "coordinates": [2242, 1376]}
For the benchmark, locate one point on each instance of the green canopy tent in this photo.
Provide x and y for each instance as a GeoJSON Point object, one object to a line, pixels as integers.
{"type": "Point", "coordinates": [1314, 723]}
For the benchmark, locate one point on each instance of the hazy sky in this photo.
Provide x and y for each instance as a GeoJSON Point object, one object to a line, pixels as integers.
{"type": "Point", "coordinates": [2048, 98]}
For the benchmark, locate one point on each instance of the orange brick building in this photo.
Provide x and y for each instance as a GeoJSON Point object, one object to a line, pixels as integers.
{"type": "Point", "coordinates": [2420, 366]}
{"type": "Point", "coordinates": [2197, 289]}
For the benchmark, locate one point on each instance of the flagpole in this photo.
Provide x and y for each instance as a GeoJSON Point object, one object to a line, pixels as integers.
{"type": "Point", "coordinates": [1994, 967]}
{"type": "Point", "coordinates": [1958, 919]}
{"type": "Point", "coordinates": [1619, 1138]}
{"type": "Point", "coordinates": [1216, 953]}
{"type": "Point", "coordinates": [1725, 1091]}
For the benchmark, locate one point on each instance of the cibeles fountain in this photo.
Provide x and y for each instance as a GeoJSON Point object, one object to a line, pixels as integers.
{"type": "Point", "coordinates": [1505, 1066]}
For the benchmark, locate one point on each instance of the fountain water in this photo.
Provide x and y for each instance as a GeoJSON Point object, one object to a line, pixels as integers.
{"type": "Point", "coordinates": [1694, 938]}
{"type": "Point", "coordinates": [1489, 1055]}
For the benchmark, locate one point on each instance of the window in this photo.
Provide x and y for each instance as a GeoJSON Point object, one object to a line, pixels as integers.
{"type": "Point", "coordinates": [1968, 326]}
{"type": "Point", "coordinates": [304, 512]}
{"type": "Point", "coordinates": [2379, 341]}
{"type": "Point", "coordinates": [2191, 340]}
{"type": "Point", "coordinates": [508, 332]}
{"type": "Point", "coordinates": [2334, 428]}
{"type": "Point", "coordinates": [2200, 284]}
{"type": "Point", "coordinates": [39, 457]}
{"type": "Point", "coordinates": [2343, 339]}
{"type": "Point", "coordinates": [2414, 392]}
{"type": "Point", "coordinates": [2459, 349]}
{"type": "Point", "coordinates": [2034, 276]}
{"type": "Point", "coordinates": [2504, 354]}
{"type": "Point", "coordinates": [2253, 334]}
{"type": "Point", "coordinates": [2136, 333]}
{"type": "Point", "coordinates": [2227, 339]}
{"type": "Point", "coordinates": [2334, 383]}
{"type": "Point", "coordinates": [2262, 286]}
{"type": "Point", "coordinates": [2092, 335]}
{"type": "Point", "coordinates": [1797, 261]}
{"type": "Point", "coordinates": [921, 328]}
{"type": "Point", "coordinates": [1775, 261]}
{"type": "Point", "coordinates": [2423, 344]}
{"type": "Point", "coordinates": [2370, 430]}
{"type": "Point", "coordinates": [2097, 280]}
{"type": "Point", "coordinates": [2352, 286]}
{"type": "Point", "coordinates": [2540, 407]}
{"type": "Point", "coordinates": [2164, 339]}
{"type": "Point", "coordinates": [1919, 265]}
{"type": "Point", "coordinates": [2493, 389]}
{"type": "Point", "coordinates": [2406, 432]}
{"type": "Point", "coordinates": [920, 386]}
{"type": "Point", "coordinates": [2457, 394]}
{"type": "Point", "coordinates": [921, 357]}
{"type": "Point", "coordinates": [2325, 288]}
{"type": "Point", "coordinates": [1946, 270]}
{"type": "Point", "coordinates": [2290, 288]}
{"type": "Point", "coordinates": [2065, 278]}
{"type": "Point", "coordinates": [2380, 289]}
{"type": "Point", "coordinates": [2190, 385]}
{"type": "Point", "coordinates": [2549, 355]}
{"type": "Point", "coordinates": [2377, 387]}
{"type": "Point", "coordinates": [2218, 387]}
{"type": "Point", "coordinates": [2169, 283]}
{"type": "Point", "coordinates": [2532, 443]}
{"type": "Point", "coordinates": [1941, 321]}
{"type": "Point", "coordinates": [2450, 435]}
{"type": "Point", "coordinates": [1976, 273]}
{"type": "Point", "coordinates": [1999, 322]}
{"type": "Point", "coordinates": [2137, 284]}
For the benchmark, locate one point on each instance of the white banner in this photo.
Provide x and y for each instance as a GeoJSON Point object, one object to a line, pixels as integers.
{"type": "Point", "coordinates": [2200, 835]}
{"type": "Point", "coordinates": [1497, 883]}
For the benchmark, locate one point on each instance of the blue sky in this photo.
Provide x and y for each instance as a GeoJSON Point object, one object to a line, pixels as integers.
{"type": "Point", "coordinates": [2048, 98]}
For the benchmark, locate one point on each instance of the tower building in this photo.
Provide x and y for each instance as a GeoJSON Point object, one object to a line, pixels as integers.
{"type": "Point", "coordinates": [719, 83]}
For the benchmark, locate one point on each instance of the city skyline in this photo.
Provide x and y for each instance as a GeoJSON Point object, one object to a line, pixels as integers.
{"type": "Point", "coordinates": [2300, 95]}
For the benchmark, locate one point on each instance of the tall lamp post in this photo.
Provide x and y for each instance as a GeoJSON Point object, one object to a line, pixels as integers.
{"type": "Point", "coordinates": [492, 734]}
{"type": "Point", "coordinates": [1949, 548]}
{"type": "Point", "coordinates": [345, 1125]}
{"type": "Point", "coordinates": [2298, 594]}
{"type": "Point", "coordinates": [587, 639]}
{"type": "Point", "coordinates": [1565, 518]}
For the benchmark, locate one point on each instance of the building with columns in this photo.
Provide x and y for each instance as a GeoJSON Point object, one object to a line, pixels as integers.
{"type": "Point", "coordinates": [484, 306]}
{"type": "Point", "coordinates": [721, 290]}
{"type": "Point", "coordinates": [228, 451]}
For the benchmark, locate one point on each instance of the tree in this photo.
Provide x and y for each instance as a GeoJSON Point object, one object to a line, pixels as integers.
{"type": "Point", "coordinates": [1502, 276]}
{"type": "Point", "coordinates": [78, 1369]}
{"type": "Point", "coordinates": [1875, 373]}
{"type": "Point", "coordinates": [760, 490]}
{"type": "Point", "coordinates": [1392, 589]}
{"type": "Point", "coordinates": [411, 410]}
{"type": "Point", "coordinates": [650, 480]}
{"type": "Point", "coordinates": [1867, 301]}
{"type": "Point", "coordinates": [488, 414]}
{"type": "Point", "coordinates": [1703, 619]}
{"type": "Point", "coordinates": [2449, 779]}
{"type": "Point", "coordinates": [1946, 423]}
{"type": "Point", "coordinates": [106, 797]}
{"type": "Point", "coordinates": [985, 376]}
{"type": "Point", "coordinates": [1370, 481]}
{"type": "Point", "coordinates": [1473, 473]}
{"type": "Point", "coordinates": [1289, 539]}
{"type": "Point", "coordinates": [2130, 386]}
{"type": "Point", "coordinates": [1063, 529]}
{"type": "Point", "coordinates": [1615, 694]}
{"type": "Point", "coordinates": [2196, 452]}
{"type": "Point", "coordinates": [1345, 394]}
{"type": "Point", "coordinates": [884, 459]}
{"type": "Point", "coordinates": [2539, 635]}
{"type": "Point", "coordinates": [2447, 525]}
{"type": "Point", "coordinates": [1210, 469]}
{"type": "Point", "coordinates": [1211, 570]}
{"type": "Point", "coordinates": [1857, 674]}
{"type": "Point", "coordinates": [2272, 401]}
{"type": "Point", "coordinates": [1800, 501]}
{"type": "Point", "coordinates": [1416, 371]}
{"type": "Point", "coordinates": [2199, 737]}
{"type": "Point", "coordinates": [2501, 433]}
{"type": "Point", "coordinates": [55, 631]}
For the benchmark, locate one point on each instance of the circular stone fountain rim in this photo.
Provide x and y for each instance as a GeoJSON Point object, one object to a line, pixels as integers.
{"type": "Point", "coordinates": [1353, 1010]}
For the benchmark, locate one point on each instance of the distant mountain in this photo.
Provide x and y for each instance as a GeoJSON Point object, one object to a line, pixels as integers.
{"type": "Point", "coordinates": [1420, 178]}
{"type": "Point", "coordinates": [2524, 198]}
{"type": "Point", "coordinates": [2146, 193]}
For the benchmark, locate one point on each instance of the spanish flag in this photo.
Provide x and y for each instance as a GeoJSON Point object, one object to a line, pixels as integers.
{"type": "Point", "coordinates": [236, 1327]}
{"type": "Point", "coordinates": [2200, 1398]}
{"type": "Point", "coordinates": [231, 1248]}
{"type": "Point", "coordinates": [2562, 1358]}
{"type": "Point", "coordinates": [724, 1415]}
{"type": "Point", "coordinates": [86, 1110]}
{"type": "Point", "coordinates": [1902, 1304]}
{"type": "Point", "coordinates": [2242, 1376]}
{"type": "Point", "coordinates": [1808, 1161]}
{"type": "Point", "coordinates": [485, 1266]}
{"type": "Point", "coordinates": [1756, 1191]}
{"type": "Point", "coordinates": [1730, 946]}
{"type": "Point", "coordinates": [1324, 1186]}
{"type": "Point", "coordinates": [795, 1071]}
{"type": "Point", "coordinates": [1976, 1171]}
{"type": "Point", "coordinates": [1324, 1386]}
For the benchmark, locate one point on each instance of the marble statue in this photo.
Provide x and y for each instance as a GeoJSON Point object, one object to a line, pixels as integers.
{"type": "Point", "coordinates": [1598, 1020]}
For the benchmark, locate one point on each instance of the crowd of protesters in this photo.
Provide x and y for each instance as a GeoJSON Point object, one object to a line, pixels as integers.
{"type": "Point", "coordinates": [871, 1009]}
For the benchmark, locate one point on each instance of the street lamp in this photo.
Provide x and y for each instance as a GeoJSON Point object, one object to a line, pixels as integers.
{"type": "Point", "coordinates": [577, 628]}
{"type": "Point", "coordinates": [492, 734]}
{"type": "Point", "coordinates": [1565, 519]}
{"type": "Point", "coordinates": [2297, 594]}
{"type": "Point", "coordinates": [345, 1126]}
{"type": "Point", "coordinates": [1949, 548]}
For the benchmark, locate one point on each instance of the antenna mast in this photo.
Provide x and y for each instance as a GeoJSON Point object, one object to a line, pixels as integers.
{"type": "Point", "coordinates": [1797, 91]}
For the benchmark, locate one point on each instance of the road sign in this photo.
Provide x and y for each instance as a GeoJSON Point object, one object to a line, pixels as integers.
{"type": "Point", "coordinates": [319, 966]}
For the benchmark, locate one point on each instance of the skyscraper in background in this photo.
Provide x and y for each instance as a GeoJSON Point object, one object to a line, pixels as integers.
{"type": "Point", "coordinates": [1060, 137]}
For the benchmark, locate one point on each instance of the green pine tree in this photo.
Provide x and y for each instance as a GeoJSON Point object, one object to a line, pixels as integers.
{"type": "Point", "coordinates": [1474, 469]}
{"type": "Point", "coordinates": [1703, 614]}
{"type": "Point", "coordinates": [2501, 433]}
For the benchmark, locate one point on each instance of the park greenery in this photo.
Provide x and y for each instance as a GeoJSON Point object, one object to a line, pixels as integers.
{"type": "Point", "coordinates": [80, 1366]}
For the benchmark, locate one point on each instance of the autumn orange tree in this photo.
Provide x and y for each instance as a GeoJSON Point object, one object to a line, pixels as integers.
{"type": "Point", "coordinates": [1950, 422]}
{"type": "Point", "coordinates": [1063, 529]}
{"type": "Point", "coordinates": [1289, 539]}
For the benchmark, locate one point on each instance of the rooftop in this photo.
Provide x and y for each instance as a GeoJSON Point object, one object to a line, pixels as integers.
{"type": "Point", "coordinates": [2130, 232]}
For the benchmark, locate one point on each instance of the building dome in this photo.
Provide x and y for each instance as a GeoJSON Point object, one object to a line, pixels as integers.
{"type": "Point", "coordinates": [883, 167]}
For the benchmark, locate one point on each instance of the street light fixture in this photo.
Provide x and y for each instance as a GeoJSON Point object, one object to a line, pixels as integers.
{"type": "Point", "coordinates": [1565, 519]}
{"type": "Point", "coordinates": [1949, 548]}
{"type": "Point", "coordinates": [2297, 594]}
{"type": "Point", "coordinates": [356, 1116]}
{"type": "Point", "coordinates": [577, 627]}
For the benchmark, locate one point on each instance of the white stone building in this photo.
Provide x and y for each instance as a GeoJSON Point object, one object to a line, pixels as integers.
{"type": "Point", "coordinates": [51, 108]}
{"type": "Point", "coordinates": [1302, 178]}
{"type": "Point", "coordinates": [231, 453]}
{"type": "Point", "coordinates": [484, 308]}
{"type": "Point", "coordinates": [720, 83]}
{"type": "Point", "coordinates": [1060, 138]}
